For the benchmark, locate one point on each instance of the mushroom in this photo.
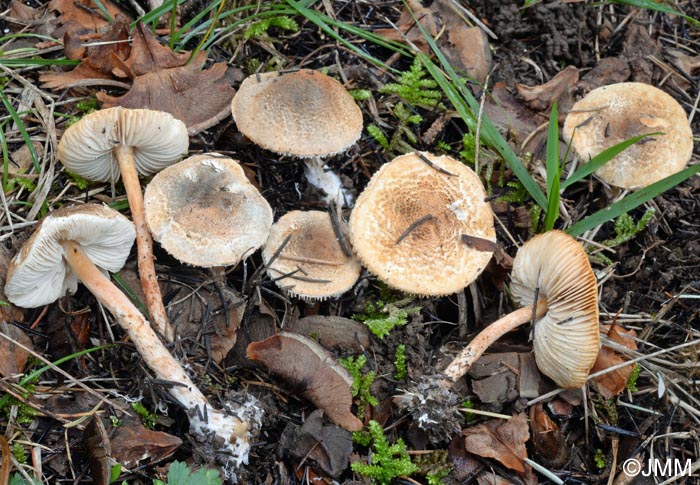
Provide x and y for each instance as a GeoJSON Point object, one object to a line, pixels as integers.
{"type": "Point", "coordinates": [410, 224]}
{"type": "Point", "coordinates": [305, 114]}
{"type": "Point", "coordinates": [107, 142]}
{"type": "Point", "coordinates": [553, 278]}
{"type": "Point", "coordinates": [305, 257]}
{"type": "Point", "coordinates": [205, 212]}
{"type": "Point", "coordinates": [612, 114]}
{"type": "Point", "coordinates": [81, 243]}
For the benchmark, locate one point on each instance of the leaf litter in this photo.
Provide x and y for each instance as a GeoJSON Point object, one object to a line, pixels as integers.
{"type": "Point", "coordinates": [655, 283]}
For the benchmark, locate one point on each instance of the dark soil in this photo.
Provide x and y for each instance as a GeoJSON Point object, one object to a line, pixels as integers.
{"type": "Point", "coordinates": [652, 285]}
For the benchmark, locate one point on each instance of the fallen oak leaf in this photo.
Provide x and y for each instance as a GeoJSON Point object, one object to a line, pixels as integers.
{"type": "Point", "coordinates": [148, 55]}
{"type": "Point", "coordinates": [132, 443]}
{"type": "Point", "coordinates": [310, 368]}
{"type": "Point", "coordinates": [559, 88]}
{"type": "Point", "coordinates": [547, 438]}
{"type": "Point", "coordinates": [79, 17]}
{"type": "Point", "coordinates": [613, 383]}
{"type": "Point", "coordinates": [502, 440]}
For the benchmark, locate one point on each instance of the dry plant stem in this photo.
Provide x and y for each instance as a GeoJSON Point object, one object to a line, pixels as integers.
{"type": "Point", "coordinates": [471, 353]}
{"type": "Point", "coordinates": [144, 243]}
{"type": "Point", "coordinates": [151, 348]}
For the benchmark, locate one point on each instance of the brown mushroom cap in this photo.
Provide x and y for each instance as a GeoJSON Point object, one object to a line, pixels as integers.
{"type": "Point", "coordinates": [303, 113]}
{"type": "Point", "coordinates": [432, 259]}
{"type": "Point", "coordinates": [205, 212]}
{"type": "Point", "coordinates": [313, 257]}
{"type": "Point", "coordinates": [566, 339]}
{"type": "Point", "coordinates": [612, 114]}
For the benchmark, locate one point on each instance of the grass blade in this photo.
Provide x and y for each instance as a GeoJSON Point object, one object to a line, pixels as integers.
{"type": "Point", "coordinates": [631, 201]}
{"type": "Point", "coordinates": [653, 5]}
{"type": "Point", "coordinates": [553, 170]}
{"type": "Point", "coordinates": [22, 130]}
{"type": "Point", "coordinates": [602, 158]}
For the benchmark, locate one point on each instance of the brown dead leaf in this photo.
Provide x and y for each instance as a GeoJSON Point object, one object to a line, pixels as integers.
{"type": "Point", "coordinates": [148, 55]}
{"type": "Point", "coordinates": [20, 11]}
{"type": "Point", "coordinates": [467, 48]}
{"type": "Point", "coordinates": [609, 70]}
{"type": "Point", "coordinates": [80, 17]}
{"type": "Point", "coordinates": [489, 478]}
{"type": "Point", "coordinates": [559, 88]}
{"type": "Point", "coordinates": [503, 440]}
{"type": "Point", "coordinates": [547, 438]}
{"type": "Point", "coordinates": [332, 332]}
{"type": "Point", "coordinates": [510, 114]}
{"type": "Point", "coordinates": [306, 366]}
{"type": "Point", "coordinates": [96, 61]}
{"type": "Point", "coordinates": [613, 383]}
{"type": "Point", "coordinates": [13, 358]}
{"type": "Point", "coordinates": [98, 449]}
{"type": "Point", "coordinates": [133, 443]}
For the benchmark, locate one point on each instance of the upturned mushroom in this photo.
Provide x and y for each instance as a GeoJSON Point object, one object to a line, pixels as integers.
{"type": "Point", "coordinates": [205, 212]}
{"type": "Point", "coordinates": [80, 244]}
{"type": "Point", "coordinates": [305, 114]}
{"type": "Point", "coordinates": [305, 257]}
{"type": "Point", "coordinates": [422, 225]}
{"type": "Point", "coordinates": [612, 114]}
{"type": "Point", "coordinates": [553, 278]}
{"type": "Point", "coordinates": [112, 141]}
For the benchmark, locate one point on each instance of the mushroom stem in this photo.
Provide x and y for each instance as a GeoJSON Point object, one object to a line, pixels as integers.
{"type": "Point", "coordinates": [203, 418]}
{"type": "Point", "coordinates": [471, 353]}
{"type": "Point", "coordinates": [144, 242]}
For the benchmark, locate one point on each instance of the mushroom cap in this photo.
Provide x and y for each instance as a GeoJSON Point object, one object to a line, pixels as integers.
{"type": "Point", "coordinates": [87, 147]}
{"type": "Point", "coordinates": [205, 212]}
{"type": "Point", "coordinates": [432, 259]}
{"type": "Point", "coordinates": [39, 275]}
{"type": "Point", "coordinates": [566, 339]}
{"type": "Point", "coordinates": [612, 114]}
{"type": "Point", "coordinates": [303, 113]}
{"type": "Point", "coordinates": [312, 238]}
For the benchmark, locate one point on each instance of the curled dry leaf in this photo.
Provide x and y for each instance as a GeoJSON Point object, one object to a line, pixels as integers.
{"type": "Point", "coordinates": [12, 358]}
{"type": "Point", "coordinates": [613, 383]}
{"type": "Point", "coordinates": [547, 438]}
{"type": "Point", "coordinates": [99, 450]}
{"type": "Point", "coordinates": [308, 367]}
{"type": "Point", "coordinates": [332, 331]}
{"type": "Point", "coordinates": [80, 17]}
{"type": "Point", "coordinates": [503, 440]}
{"type": "Point", "coordinates": [559, 88]}
{"type": "Point", "coordinates": [467, 48]}
{"type": "Point", "coordinates": [164, 81]}
{"type": "Point", "coordinates": [132, 443]}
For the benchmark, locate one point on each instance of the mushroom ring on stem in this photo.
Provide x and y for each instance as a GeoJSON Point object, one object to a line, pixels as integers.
{"type": "Point", "coordinates": [553, 278]}
{"type": "Point", "coordinates": [80, 244]}
{"type": "Point", "coordinates": [117, 140]}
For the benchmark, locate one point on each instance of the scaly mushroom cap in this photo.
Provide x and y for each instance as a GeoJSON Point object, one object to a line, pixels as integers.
{"type": "Point", "coordinates": [432, 259]}
{"type": "Point", "coordinates": [39, 275]}
{"type": "Point", "coordinates": [313, 257]}
{"type": "Point", "coordinates": [612, 114]}
{"type": "Point", "coordinates": [566, 340]}
{"type": "Point", "coordinates": [87, 147]}
{"type": "Point", "coordinates": [205, 212]}
{"type": "Point", "coordinates": [303, 113]}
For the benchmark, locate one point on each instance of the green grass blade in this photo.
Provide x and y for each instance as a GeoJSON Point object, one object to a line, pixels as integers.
{"type": "Point", "coordinates": [466, 105]}
{"type": "Point", "coordinates": [5, 158]}
{"type": "Point", "coordinates": [17, 63]}
{"type": "Point", "coordinates": [652, 5]}
{"type": "Point", "coordinates": [105, 12]}
{"type": "Point", "coordinates": [22, 130]}
{"type": "Point", "coordinates": [155, 14]}
{"type": "Point", "coordinates": [553, 170]}
{"type": "Point", "coordinates": [633, 200]}
{"type": "Point", "coordinates": [602, 158]}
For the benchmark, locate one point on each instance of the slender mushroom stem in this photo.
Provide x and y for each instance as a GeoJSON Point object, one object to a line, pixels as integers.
{"type": "Point", "coordinates": [203, 418]}
{"type": "Point", "coordinates": [144, 242]}
{"type": "Point", "coordinates": [471, 353]}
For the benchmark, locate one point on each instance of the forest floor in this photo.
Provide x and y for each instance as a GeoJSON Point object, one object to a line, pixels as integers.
{"type": "Point", "coordinates": [510, 416]}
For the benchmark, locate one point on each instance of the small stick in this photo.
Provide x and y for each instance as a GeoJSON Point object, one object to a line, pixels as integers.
{"type": "Point", "coordinates": [335, 222]}
{"type": "Point", "coordinates": [432, 165]}
{"type": "Point", "coordinates": [412, 227]}
{"type": "Point", "coordinates": [302, 259]}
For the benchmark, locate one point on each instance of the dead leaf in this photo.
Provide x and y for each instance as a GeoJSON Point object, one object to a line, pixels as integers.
{"type": "Point", "coordinates": [326, 444]}
{"type": "Point", "coordinates": [20, 11]}
{"type": "Point", "coordinates": [547, 438]}
{"type": "Point", "coordinates": [609, 70]}
{"type": "Point", "coordinates": [96, 61]}
{"type": "Point", "coordinates": [510, 114]}
{"type": "Point", "coordinates": [495, 379]}
{"type": "Point", "coordinates": [467, 48]}
{"type": "Point", "coordinates": [332, 332]}
{"type": "Point", "coordinates": [133, 443]}
{"type": "Point", "coordinates": [305, 365]}
{"type": "Point", "coordinates": [148, 55]}
{"type": "Point", "coordinates": [80, 17]}
{"type": "Point", "coordinates": [12, 358]}
{"type": "Point", "coordinates": [613, 383]}
{"type": "Point", "coordinates": [99, 450]}
{"type": "Point", "coordinates": [503, 440]}
{"type": "Point", "coordinates": [489, 478]}
{"type": "Point", "coordinates": [559, 88]}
